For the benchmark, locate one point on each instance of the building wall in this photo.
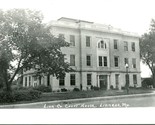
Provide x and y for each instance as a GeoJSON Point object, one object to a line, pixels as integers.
{"type": "Point", "coordinates": [80, 31]}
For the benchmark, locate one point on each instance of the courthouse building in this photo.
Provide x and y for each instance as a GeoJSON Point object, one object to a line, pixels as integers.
{"type": "Point", "coordinates": [100, 54]}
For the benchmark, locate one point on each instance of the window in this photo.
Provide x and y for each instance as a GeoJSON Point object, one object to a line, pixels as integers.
{"type": "Point", "coordinates": [87, 41]}
{"type": "Point", "coordinates": [115, 44]}
{"type": "Point", "coordinates": [72, 79]}
{"type": "Point", "coordinates": [89, 79]}
{"type": "Point", "coordinates": [116, 61]}
{"type": "Point", "coordinates": [125, 46]}
{"type": "Point", "coordinates": [133, 46]}
{"type": "Point", "coordinates": [100, 60]}
{"type": "Point", "coordinates": [72, 60]}
{"type": "Point", "coordinates": [105, 60]}
{"type": "Point", "coordinates": [29, 80]}
{"type": "Point", "coordinates": [117, 80]}
{"type": "Point", "coordinates": [127, 79]}
{"type": "Point", "coordinates": [72, 40]}
{"type": "Point", "coordinates": [102, 44]}
{"type": "Point", "coordinates": [126, 61]}
{"type": "Point", "coordinates": [134, 63]}
{"type": "Point", "coordinates": [61, 81]}
{"type": "Point", "coordinates": [88, 60]}
{"type": "Point", "coordinates": [134, 79]}
{"type": "Point", "coordinates": [25, 81]}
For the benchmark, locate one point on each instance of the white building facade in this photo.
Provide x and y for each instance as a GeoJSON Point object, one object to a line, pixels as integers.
{"type": "Point", "coordinates": [98, 53]}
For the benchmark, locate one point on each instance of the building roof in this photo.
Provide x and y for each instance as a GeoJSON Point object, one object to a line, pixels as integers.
{"type": "Point", "coordinates": [74, 23]}
{"type": "Point", "coordinates": [73, 20]}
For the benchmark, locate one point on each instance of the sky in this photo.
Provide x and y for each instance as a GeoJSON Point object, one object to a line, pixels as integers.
{"type": "Point", "coordinates": [129, 15]}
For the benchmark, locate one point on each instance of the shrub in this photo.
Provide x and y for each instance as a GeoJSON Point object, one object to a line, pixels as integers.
{"type": "Point", "coordinates": [76, 89]}
{"type": "Point", "coordinates": [43, 88]}
{"type": "Point", "coordinates": [123, 88]}
{"type": "Point", "coordinates": [96, 88]}
{"type": "Point", "coordinates": [92, 87]}
{"type": "Point", "coordinates": [63, 90]}
{"type": "Point", "coordinates": [111, 87]}
{"type": "Point", "coordinates": [19, 95]}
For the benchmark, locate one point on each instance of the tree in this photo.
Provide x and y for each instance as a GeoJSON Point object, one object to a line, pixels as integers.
{"type": "Point", "coordinates": [147, 49]}
{"type": "Point", "coordinates": [27, 42]}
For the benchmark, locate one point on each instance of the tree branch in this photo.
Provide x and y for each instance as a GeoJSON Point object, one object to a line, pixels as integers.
{"type": "Point", "coordinates": [18, 68]}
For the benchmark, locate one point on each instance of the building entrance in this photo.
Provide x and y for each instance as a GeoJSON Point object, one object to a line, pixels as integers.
{"type": "Point", "coordinates": [103, 81]}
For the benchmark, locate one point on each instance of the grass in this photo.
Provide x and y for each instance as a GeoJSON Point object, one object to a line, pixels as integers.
{"type": "Point", "coordinates": [89, 94]}
{"type": "Point", "coordinates": [84, 94]}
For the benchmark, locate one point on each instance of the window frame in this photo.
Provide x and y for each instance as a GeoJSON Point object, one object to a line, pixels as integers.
{"type": "Point", "coordinates": [62, 80]}
{"type": "Point", "coordinates": [100, 61]}
{"type": "Point", "coordinates": [29, 80]}
{"type": "Point", "coordinates": [25, 81]}
{"type": "Point", "coordinates": [88, 61]}
{"type": "Point", "coordinates": [135, 79]}
{"type": "Point", "coordinates": [126, 61]}
{"type": "Point", "coordinates": [88, 42]}
{"type": "Point", "coordinates": [134, 63]}
{"type": "Point", "coordinates": [72, 40]}
{"type": "Point", "coordinates": [89, 79]}
{"type": "Point", "coordinates": [116, 57]}
{"type": "Point", "coordinates": [115, 44]}
{"type": "Point", "coordinates": [105, 61]}
{"type": "Point", "coordinates": [72, 60]}
{"type": "Point", "coordinates": [125, 46]}
{"type": "Point", "coordinates": [72, 80]}
{"type": "Point", "coordinates": [133, 46]}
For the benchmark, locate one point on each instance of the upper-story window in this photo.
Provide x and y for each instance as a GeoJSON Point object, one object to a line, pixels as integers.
{"type": "Point", "coordinates": [125, 46]}
{"type": "Point", "coordinates": [102, 44]}
{"type": "Point", "coordinates": [116, 61]}
{"type": "Point", "coordinates": [126, 61]}
{"type": "Point", "coordinates": [88, 58]}
{"type": "Point", "coordinates": [103, 61]}
{"type": "Point", "coordinates": [72, 60]}
{"type": "Point", "coordinates": [133, 46]}
{"type": "Point", "coordinates": [72, 40]}
{"type": "Point", "coordinates": [134, 63]}
{"type": "Point", "coordinates": [115, 44]}
{"type": "Point", "coordinates": [87, 41]}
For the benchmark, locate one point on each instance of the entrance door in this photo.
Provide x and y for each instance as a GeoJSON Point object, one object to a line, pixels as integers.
{"type": "Point", "coordinates": [103, 81]}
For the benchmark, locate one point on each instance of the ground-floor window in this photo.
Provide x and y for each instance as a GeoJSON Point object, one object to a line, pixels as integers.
{"type": "Point", "coordinates": [25, 81]}
{"type": "Point", "coordinates": [127, 80]}
{"type": "Point", "coordinates": [89, 79]}
{"type": "Point", "coordinates": [134, 79]}
{"type": "Point", "coordinates": [29, 80]}
{"type": "Point", "coordinates": [62, 81]}
{"type": "Point", "coordinates": [72, 79]}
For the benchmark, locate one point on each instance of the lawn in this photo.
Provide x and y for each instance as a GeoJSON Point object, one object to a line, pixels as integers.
{"type": "Point", "coordinates": [83, 94]}
{"type": "Point", "coordinates": [90, 94]}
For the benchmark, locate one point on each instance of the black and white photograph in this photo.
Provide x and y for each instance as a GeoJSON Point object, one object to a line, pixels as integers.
{"type": "Point", "coordinates": [69, 55]}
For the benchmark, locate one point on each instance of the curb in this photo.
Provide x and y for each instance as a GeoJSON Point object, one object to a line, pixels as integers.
{"type": "Point", "coordinates": [80, 100]}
